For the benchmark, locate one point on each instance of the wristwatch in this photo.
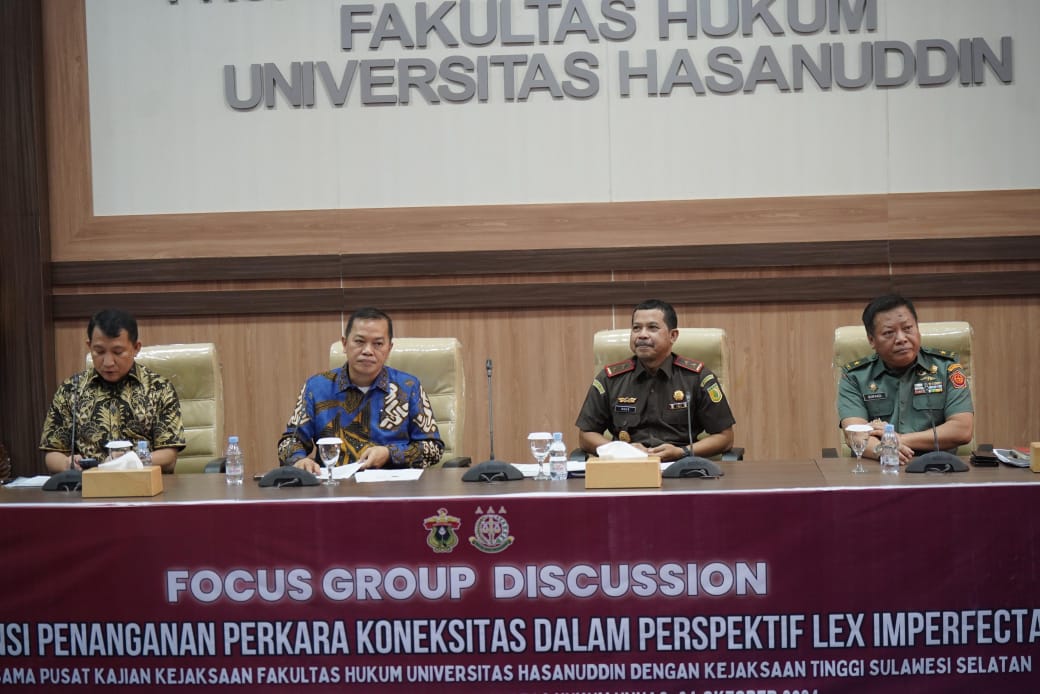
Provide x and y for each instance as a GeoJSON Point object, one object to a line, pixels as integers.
{"type": "Point", "coordinates": [686, 452]}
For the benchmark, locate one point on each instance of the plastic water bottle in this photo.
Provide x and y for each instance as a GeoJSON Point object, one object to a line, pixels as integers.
{"type": "Point", "coordinates": [889, 450]}
{"type": "Point", "coordinates": [143, 453]}
{"type": "Point", "coordinates": [233, 466]}
{"type": "Point", "coordinates": [557, 458]}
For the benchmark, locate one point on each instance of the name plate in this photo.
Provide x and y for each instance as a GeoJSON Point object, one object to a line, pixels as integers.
{"type": "Point", "coordinates": [112, 483]}
{"type": "Point", "coordinates": [623, 474]}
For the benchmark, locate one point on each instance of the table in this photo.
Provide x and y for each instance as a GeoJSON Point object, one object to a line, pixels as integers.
{"type": "Point", "coordinates": [782, 575]}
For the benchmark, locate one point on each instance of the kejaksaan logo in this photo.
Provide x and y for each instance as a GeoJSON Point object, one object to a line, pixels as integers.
{"type": "Point", "coordinates": [442, 537]}
{"type": "Point", "coordinates": [491, 531]}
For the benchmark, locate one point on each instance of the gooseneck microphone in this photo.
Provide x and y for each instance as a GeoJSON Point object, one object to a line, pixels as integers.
{"type": "Point", "coordinates": [692, 465]}
{"type": "Point", "coordinates": [68, 480]}
{"type": "Point", "coordinates": [491, 410]}
{"type": "Point", "coordinates": [936, 460]}
{"type": "Point", "coordinates": [491, 470]}
{"type": "Point", "coordinates": [72, 416]}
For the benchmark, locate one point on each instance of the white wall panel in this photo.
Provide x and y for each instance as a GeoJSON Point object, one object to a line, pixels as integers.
{"type": "Point", "coordinates": [163, 138]}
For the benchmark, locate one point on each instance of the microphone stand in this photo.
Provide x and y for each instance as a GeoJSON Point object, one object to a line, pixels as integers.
{"type": "Point", "coordinates": [68, 480]}
{"type": "Point", "coordinates": [491, 411]}
{"type": "Point", "coordinates": [491, 470]}
{"type": "Point", "coordinates": [692, 465]}
{"type": "Point", "coordinates": [75, 407]}
{"type": "Point", "coordinates": [937, 460]}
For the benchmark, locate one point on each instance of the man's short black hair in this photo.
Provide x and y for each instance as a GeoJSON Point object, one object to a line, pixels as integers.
{"type": "Point", "coordinates": [670, 319]}
{"type": "Point", "coordinates": [370, 313]}
{"type": "Point", "coordinates": [882, 304]}
{"type": "Point", "coordinates": [111, 322]}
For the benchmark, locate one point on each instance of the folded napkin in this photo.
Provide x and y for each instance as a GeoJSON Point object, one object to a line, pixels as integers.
{"type": "Point", "coordinates": [127, 461]}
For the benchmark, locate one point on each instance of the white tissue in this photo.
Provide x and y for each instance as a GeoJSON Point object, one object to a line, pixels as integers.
{"type": "Point", "coordinates": [619, 450]}
{"type": "Point", "coordinates": [127, 461]}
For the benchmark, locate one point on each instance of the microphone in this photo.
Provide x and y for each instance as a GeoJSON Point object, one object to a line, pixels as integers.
{"type": "Point", "coordinates": [72, 428]}
{"type": "Point", "coordinates": [491, 470]}
{"type": "Point", "coordinates": [692, 465]}
{"type": "Point", "coordinates": [937, 460]}
{"type": "Point", "coordinates": [69, 480]}
{"type": "Point", "coordinates": [491, 410]}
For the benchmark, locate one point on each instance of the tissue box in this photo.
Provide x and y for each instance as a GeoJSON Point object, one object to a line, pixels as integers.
{"type": "Point", "coordinates": [620, 474]}
{"type": "Point", "coordinates": [144, 482]}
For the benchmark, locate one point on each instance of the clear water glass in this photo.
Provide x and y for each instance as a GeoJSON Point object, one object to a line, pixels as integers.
{"type": "Point", "coordinates": [328, 451]}
{"type": "Point", "coordinates": [857, 436]}
{"type": "Point", "coordinates": [540, 442]}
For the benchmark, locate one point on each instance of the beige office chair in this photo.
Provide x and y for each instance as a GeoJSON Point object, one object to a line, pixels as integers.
{"type": "Point", "coordinates": [437, 363]}
{"type": "Point", "coordinates": [850, 343]}
{"type": "Point", "coordinates": [194, 371]}
{"type": "Point", "coordinates": [708, 345]}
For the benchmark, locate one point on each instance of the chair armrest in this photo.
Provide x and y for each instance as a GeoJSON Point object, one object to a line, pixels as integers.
{"type": "Point", "coordinates": [458, 461]}
{"type": "Point", "coordinates": [830, 453]}
{"type": "Point", "coordinates": [215, 465]}
{"type": "Point", "coordinates": [735, 453]}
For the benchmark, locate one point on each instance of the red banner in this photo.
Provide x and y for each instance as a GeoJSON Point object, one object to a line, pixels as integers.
{"type": "Point", "coordinates": [901, 590]}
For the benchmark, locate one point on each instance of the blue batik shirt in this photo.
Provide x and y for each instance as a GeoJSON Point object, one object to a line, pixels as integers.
{"type": "Point", "coordinates": [395, 412]}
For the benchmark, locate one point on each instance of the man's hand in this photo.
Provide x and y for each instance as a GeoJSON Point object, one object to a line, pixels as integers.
{"type": "Point", "coordinates": [374, 457]}
{"type": "Point", "coordinates": [307, 464]}
{"type": "Point", "coordinates": [666, 451]}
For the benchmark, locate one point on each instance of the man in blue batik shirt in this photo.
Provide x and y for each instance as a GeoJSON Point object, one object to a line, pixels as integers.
{"type": "Point", "coordinates": [382, 415]}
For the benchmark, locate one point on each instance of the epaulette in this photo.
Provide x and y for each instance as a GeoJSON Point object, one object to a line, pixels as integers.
{"type": "Point", "coordinates": [621, 367]}
{"type": "Point", "coordinates": [860, 363]}
{"type": "Point", "coordinates": [941, 353]}
{"type": "Point", "coordinates": [688, 364]}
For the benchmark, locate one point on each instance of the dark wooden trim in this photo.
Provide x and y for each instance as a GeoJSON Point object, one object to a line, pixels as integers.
{"type": "Point", "coordinates": [552, 295]}
{"type": "Point", "coordinates": [439, 264]}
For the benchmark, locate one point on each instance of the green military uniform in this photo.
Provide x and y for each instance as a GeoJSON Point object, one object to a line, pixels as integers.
{"type": "Point", "coordinates": [635, 405]}
{"type": "Point", "coordinates": [143, 406]}
{"type": "Point", "coordinates": [925, 393]}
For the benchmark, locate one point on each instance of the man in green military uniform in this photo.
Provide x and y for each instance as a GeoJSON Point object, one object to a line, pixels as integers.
{"type": "Point", "coordinates": [655, 398]}
{"type": "Point", "coordinates": [912, 387]}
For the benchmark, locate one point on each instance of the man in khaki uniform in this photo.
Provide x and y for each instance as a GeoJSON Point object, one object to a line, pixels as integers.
{"type": "Point", "coordinates": [652, 398]}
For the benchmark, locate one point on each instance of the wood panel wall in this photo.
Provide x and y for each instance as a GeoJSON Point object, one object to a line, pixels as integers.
{"type": "Point", "coordinates": [26, 334]}
{"type": "Point", "coordinates": [529, 285]}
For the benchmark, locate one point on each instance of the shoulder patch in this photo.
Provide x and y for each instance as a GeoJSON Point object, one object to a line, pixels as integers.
{"type": "Point", "coordinates": [688, 364]}
{"type": "Point", "coordinates": [860, 363]}
{"type": "Point", "coordinates": [941, 353]}
{"type": "Point", "coordinates": [620, 368]}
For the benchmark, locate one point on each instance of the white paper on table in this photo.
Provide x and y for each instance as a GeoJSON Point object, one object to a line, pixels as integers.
{"type": "Point", "coordinates": [35, 481]}
{"type": "Point", "coordinates": [379, 475]}
{"type": "Point", "coordinates": [340, 472]}
{"type": "Point", "coordinates": [528, 469]}
{"type": "Point", "coordinates": [619, 450]}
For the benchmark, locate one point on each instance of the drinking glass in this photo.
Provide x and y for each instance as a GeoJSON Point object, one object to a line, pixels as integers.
{"type": "Point", "coordinates": [117, 449]}
{"type": "Point", "coordinates": [857, 435]}
{"type": "Point", "coordinates": [540, 442]}
{"type": "Point", "coordinates": [328, 451]}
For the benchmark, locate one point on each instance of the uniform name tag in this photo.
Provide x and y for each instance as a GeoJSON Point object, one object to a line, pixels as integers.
{"type": "Point", "coordinates": [678, 405]}
{"type": "Point", "coordinates": [625, 409]}
{"type": "Point", "coordinates": [867, 397]}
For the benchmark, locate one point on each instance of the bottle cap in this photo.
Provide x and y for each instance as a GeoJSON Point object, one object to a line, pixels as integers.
{"type": "Point", "coordinates": [232, 439]}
